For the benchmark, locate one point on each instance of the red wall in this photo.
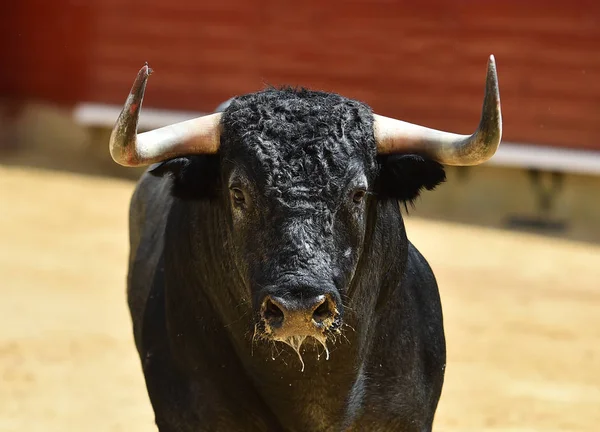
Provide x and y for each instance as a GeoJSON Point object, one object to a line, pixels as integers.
{"type": "Point", "coordinates": [419, 61]}
{"type": "Point", "coordinates": [44, 48]}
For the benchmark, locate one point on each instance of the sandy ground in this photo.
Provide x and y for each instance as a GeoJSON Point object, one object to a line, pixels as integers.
{"type": "Point", "coordinates": [522, 317]}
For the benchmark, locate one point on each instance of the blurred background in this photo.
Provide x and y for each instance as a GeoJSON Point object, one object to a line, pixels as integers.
{"type": "Point", "coordinates": [515, 243]}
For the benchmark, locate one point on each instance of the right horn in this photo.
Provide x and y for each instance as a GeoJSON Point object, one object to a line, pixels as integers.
{"type": "Point", "coordinates": [396, 136]}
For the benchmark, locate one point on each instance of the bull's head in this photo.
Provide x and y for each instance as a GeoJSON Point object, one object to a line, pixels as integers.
{"type": "Point", "coordinates": [297, 170]}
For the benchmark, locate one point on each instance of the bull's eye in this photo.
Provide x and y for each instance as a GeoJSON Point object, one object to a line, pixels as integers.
{"type": "Point", "coordinates": [358, 196]}
{"type": "Point", "coordinates": [238, 196]}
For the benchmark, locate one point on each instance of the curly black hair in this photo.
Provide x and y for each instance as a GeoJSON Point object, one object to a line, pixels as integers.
{"type": "Point", "coordinates": [293, 135]}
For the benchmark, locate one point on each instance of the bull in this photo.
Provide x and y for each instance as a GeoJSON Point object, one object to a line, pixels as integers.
{"type": "Point", "coordinates": [271, 283]}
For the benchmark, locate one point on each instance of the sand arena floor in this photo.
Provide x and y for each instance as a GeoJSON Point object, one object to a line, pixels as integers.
{"type": "Point", "coordinates": [522, 317]}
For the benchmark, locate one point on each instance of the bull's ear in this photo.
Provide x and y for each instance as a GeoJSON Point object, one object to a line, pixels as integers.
{"type": "Point", "coordinates": [404, 176]}
{"type": "Point", "coordinates": [194, 177]}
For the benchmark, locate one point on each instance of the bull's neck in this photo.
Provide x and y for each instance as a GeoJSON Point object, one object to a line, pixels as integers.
{"type": "Point", "coordinates": [312, 389]}
{"type": "Point", "coordinates": [321, 393]}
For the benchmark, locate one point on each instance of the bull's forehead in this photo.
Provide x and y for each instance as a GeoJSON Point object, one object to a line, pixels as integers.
{"type": "Point", "coordinates": [300, 144]}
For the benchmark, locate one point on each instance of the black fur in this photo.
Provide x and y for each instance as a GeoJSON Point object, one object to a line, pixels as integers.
{"type": "Point", "coordinates": [194, 177]}
{"type": "Point", "coordinates": [403, 177]}
{"type": "Point", "coordinates": [201, 262]}
{"type": "Point", "coordinates": [299, 138]}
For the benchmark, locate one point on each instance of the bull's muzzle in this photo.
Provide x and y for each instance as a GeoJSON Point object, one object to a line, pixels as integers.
{"type": "Point", "coordinates": [294, 319]}
{"type": "Point", "coordinates": [310, 316]}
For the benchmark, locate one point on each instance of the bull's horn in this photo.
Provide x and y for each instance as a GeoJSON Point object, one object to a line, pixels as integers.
{"type": "Point", "coordinates": [197, 136]}
{"type": "Point", "coordinates": [395, 136]}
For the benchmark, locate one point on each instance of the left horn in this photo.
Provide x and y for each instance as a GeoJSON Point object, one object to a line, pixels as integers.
{"type": "Point", "coordinates": [197, 136]}
{"type": "Point", "coordinates": [396, 136]}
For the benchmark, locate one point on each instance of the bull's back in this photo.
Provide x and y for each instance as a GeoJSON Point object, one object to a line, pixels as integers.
{"type": "Point", "coordinates": [148, 212]}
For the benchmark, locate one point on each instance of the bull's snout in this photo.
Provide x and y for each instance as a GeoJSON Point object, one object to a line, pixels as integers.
{"type": "Point", "coordinates": [294, 313]}
{"type": "Point", "coordinates": [302, 316]}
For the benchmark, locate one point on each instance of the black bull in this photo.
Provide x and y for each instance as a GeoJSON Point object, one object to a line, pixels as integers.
{"type": "Point", "coordinates": [272, 287]}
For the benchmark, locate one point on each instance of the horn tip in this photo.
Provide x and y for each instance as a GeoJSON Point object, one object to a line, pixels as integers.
{"type": "Point", "coordinates": [139, 85]}
{"type": "Point", "coordinates": [145, 71]}
{"type": "Point", "coordinates": [492, 63]}
{"type": "Point", "coordinates": [492, 77]}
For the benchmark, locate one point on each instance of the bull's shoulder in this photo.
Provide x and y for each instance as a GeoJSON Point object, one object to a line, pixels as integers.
{"type": "Point", "coordinates": [413, 312]}
{"type": "Point", "coordinates": [423, 289]}
{"type": "Point", "coordinates": [417, 268]}
{"type": "Point", "coordinates": [405, 369]}
{"type": "Point", "coordinates": [149, 208]}
{"type": "Point", "coordinates": [420, 286]}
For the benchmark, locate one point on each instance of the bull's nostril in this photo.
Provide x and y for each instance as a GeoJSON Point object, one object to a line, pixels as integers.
{"type": "Point", "coordinates": [272, 313]}
{"type": "Point", "coordinates": [322, 312]}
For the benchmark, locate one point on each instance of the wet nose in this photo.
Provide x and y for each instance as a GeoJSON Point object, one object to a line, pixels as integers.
{"type": "Point", "coordinates": [297, 314]}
